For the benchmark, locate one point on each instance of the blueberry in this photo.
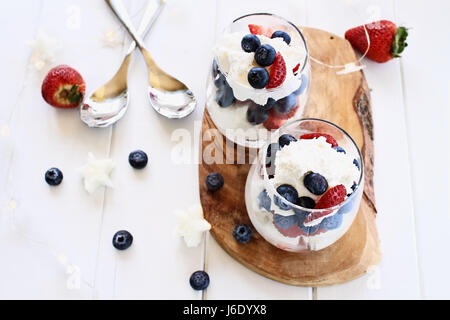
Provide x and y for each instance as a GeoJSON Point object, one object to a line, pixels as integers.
{"type": "Point", "coordinates": [285, 222]}
{"type": "Point", "coordinates": [250, 43]}
{"type": "Point", "coordinates": [306, 202]}
{"type": "Point", "coordinates": [214, 181]}
{"type": "Point", "coordinates": [53, 176]}
{"type": "Point", "coordinates": [282, 34]}
{"type": "Point", "coordinates": [354, 186]}
{"type": "Point", "coordinates": [215, 69]}
{"type": "Point", "coordinates": [225, 96]}
{"type": "Point", "coordinates": [220, 80]}
{"type": "Point", "coordinates": [271, 152]}
{"type": "Point", "coordinates": [339, 149]}
{"type": "Point", "coordinates": [346, 208]}
{"type": "Point", "coordinates": [242, 233]}
{"type": "Point", "coordinates": [256, 115]}
{"type": "Point", "coordinates": [258, 77]}
{"type": "Point", "coordinates": [138, 159]}
{"type": "Point", "coordinates": [199, 280]}
{"type": "Point", "coordinates": [303, 86]}
{"type": "Point", "coordinates": [264, 200]}
{"type": "Point", "coordinates": [356, 163]}
{"type": "Point", "coordinates": [269, 105]}
{"type": "Point", "coordinates": [122, 240]}
{"type": "Point", "coordinates": [288, 193]}
{"type": "Point", "coordinates": [286, 139]}
{"type": "Point", "coordinates": [315, 183]}
{"type": "Point", "coordinates": [331, 223]}
{"type": "Point", "coordinates": [265, 55]}
{"type": "Point", "coordinates": [286, 104]}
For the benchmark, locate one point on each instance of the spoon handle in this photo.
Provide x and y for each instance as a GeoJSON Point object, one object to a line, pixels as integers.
{"type": "Point", "coordinates": [120, 11]}
{"type": "Point", "coordinates": [152, 11]}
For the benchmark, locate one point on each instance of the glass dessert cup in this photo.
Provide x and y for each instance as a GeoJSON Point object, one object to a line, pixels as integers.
{"type": "Point", "coordinates": [285, 228]}
{"type": "Point", "coordinates": [228, 103]}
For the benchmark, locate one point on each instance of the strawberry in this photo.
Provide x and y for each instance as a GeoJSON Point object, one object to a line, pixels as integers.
{"type": "Point", "coordinates": [387, 40]}
{"type": "Point", "coordinates": [277, 72]}
{"type": "Point", "coordinates": [274, 122]}
{"type": "Point", "coordinates": [284, 116]}
{"type": "Point", "coordinates": [260, 30]}
{"type": "Point", "coordinates": [329, 138]}
{"type": "Point", "coordinates": [63, 87]}
{"type": "Point", "coordinates": [331, 198]}
{"type": "Point", "coordinates": [296, 68]}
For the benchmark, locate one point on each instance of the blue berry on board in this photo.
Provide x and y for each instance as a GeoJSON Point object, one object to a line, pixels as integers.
{"type": "Point", "coordinates": [199, 280]}
{"type": "Point", "coordinates": [331, 223]}
{"type": "Point", "coordinates": [258, 77]}
{"type": "Point", "coordinates": [282, 34]}
{"type": "Point", "coordinates": [53, 176]}
{"type": "Point", "coordinates": [214, 181]}
{"type": "Point", "coordinates": [315, 183]}
{"type": "Point", "coordinates": [356, 163]}
{"type": "Point", "coordinates": [286, 104]}
{"type": "Point", "coordinates": [256, 115]}
{"type": "Point", "coordinates": [271, 152]}
{"type": "Point", "coordinates": [288, 193]}
{"type": "Point", "coordinates": [250, 43]}
{"type": "Point", "coordinates": [286, 139]}
{"type": "Point", "coordinates": [138, 159]}
{"type": "Point", "coordinates": [339, 149]}
{"type": "Point", "coordinates": [265, 55]}
{"type": "Point", "coordinates": [306, 202]}
{"type": "Point", "coordinates": [225, 96]}
{"type": "Point", "coordinates": [285, 222]}
{"type": "Point", "coordinates": [122, 240]}
{"type": "Point", "coordinates": [242, 233]}
{"type": "Point", "coordinates": [303, 86]}
{"type": "Point", "coordinates": [264, 200]}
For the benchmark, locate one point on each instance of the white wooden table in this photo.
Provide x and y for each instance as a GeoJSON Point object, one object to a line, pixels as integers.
{"type": "Point", "coordinates": [411, 113]}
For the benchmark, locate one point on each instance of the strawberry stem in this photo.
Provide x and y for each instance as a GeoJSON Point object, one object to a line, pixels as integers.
{"type": "Point", "coordinates": [74, 96]}
{"type": "Point", "coordinates": [399, 43]}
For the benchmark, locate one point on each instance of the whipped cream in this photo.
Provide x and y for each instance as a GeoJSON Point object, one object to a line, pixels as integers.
{"type": "Point", "coordinates": [96, 173]}
{"type": "Point", "coordinates": [191, 225]}
{"type": "Point", "coordinates": [235, 63]}
{"type": "Point", "coordinates": [298, 158]}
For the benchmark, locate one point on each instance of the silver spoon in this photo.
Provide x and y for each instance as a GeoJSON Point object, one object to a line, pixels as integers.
{"type": "Point", "coordinates": [168, 96]}
{"type": "Point", "coordinates": [108, 104]}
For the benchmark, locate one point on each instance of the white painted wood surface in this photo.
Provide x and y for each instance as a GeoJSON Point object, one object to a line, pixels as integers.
{"type": "Point", "coordinates": [410, 104]}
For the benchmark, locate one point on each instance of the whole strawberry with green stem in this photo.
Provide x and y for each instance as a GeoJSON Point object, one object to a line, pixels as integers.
{"type": "Point", "coordinates": [63, 87]}
{"type": "Point", "coordinates": [387, 41]}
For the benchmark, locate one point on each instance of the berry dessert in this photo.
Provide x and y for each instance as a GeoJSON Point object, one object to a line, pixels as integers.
{"type": "Point", "coordinates": [259, 79]}
{"type": "Point", "coordinates": [63, 87]}
{"type": "Point", "coordinates": [304, 191]}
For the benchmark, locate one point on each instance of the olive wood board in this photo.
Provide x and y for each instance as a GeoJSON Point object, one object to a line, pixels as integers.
{"type": "Point", "coordinates": [343, 100]}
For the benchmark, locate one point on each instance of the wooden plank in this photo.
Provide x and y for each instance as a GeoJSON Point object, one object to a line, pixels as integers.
{"type": "Point", "coordinates": [158, 265]}
{"type": "Point", "coordinates": [224, 279]}
{"type": "Point", "coordinates": [397, 276]}
{"type": "Point", "coordinates": [426, 92]}
{"type": "Point", "coordinates": [65, 217]}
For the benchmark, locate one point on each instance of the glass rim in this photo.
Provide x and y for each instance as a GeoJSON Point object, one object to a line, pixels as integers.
{"type": "Point", "coordinates": [263, 152]}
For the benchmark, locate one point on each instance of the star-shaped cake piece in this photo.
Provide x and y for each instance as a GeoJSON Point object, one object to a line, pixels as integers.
{"type": "Point", "coordinates": [191, 225]}
{"type": "Point", "coordinates": [96, 173]}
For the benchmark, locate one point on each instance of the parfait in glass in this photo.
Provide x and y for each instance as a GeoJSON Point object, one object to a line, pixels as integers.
{"type": "Point", "coordinates": [260, 78]}
{"type": "Point", "coordinates": [304, 190]}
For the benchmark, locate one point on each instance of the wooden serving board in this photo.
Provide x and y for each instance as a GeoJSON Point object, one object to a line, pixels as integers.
{"type": "Point", "coordinates": [343, 100]}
